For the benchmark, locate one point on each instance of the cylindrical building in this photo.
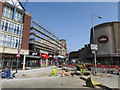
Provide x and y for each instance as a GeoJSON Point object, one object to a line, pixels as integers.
{"type": "Point", "coordinates": [107, 39]}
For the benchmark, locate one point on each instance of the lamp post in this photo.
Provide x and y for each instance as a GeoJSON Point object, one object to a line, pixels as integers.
{"type": "Point", "coordinates": [94, 42]}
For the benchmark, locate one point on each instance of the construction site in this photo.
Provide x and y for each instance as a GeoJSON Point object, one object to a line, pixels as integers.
{"type": "Point", "coordinates": [65, 78]}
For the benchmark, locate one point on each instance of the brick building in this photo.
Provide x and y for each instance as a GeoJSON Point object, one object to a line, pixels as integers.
{"type": "Point", "coordinates": [14, 33]}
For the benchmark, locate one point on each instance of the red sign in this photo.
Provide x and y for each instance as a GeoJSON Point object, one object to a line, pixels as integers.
{"type": "Point", "coordinates": [103, 39]}
{"type": "Point", "coordinates": [44, 55]}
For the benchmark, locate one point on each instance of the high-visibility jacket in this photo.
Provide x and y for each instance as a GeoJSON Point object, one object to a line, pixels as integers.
{"type": "Point", "coordinates": [80, 66]}
{"type": "Point", "coordinates": [54, 71]}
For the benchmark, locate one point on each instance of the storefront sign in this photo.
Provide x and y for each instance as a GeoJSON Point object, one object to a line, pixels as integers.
{"type": "Point", "coordinates": [55, 57]}
{"type": "Point", "coordinates": [44, 55]}
{"type": "Point", "coordinates": [103, 39]}
{"type": "Point", "coordinates": [34, 53]}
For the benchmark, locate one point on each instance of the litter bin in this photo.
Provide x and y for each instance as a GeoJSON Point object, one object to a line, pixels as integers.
{"type": "Point", "coordinates": [8, 73]}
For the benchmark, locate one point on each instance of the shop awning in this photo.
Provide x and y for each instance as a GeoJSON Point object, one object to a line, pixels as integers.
{"type": "Point", "coordinates": [31, 56]}
{"type": "Point", "coordinates": [60, 56]}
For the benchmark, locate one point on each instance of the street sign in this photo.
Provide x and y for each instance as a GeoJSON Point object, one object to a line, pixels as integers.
{"type": "Point", "coordinates": [93, 52]}
{"type": "Point", "coordinates": [93, 46]}
{"type": "Point", "coordinates": [18, 54]}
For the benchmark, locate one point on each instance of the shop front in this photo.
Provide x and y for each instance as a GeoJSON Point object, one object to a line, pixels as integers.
{"type": "Point", "coordinates": [44, 58]}
{"type": "Point", "coordinates": [33, 60]}
{"type": "Point", "coordinates": [9, 61]}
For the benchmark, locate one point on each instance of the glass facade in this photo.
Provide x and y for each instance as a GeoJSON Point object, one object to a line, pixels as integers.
{"type": "Point", "coordinates": [9, 41]}
{"type": "Point", "coordinates": [11, 23]}
{"type": "Point", "coordinates": [8, 12]}
{"type": "Point", "coordinates": [11, 27]}
{"type": "Point", "coordinates": [12, 13]}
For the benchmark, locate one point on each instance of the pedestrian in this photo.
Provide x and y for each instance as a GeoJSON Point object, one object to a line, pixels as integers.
{"type": "Point", "coordinates": [54, 72]}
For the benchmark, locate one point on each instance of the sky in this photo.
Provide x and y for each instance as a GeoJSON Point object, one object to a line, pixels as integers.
{"type": "Point", "coordinates": [72, 21]}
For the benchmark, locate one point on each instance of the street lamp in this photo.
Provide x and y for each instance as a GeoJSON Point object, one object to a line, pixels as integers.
{"type": "Point", "coordinates": [94, 42]}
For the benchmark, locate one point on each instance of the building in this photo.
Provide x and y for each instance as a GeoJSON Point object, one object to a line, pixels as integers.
{"type": "Point", "coordinates": [107, 39]}
{"type": "Point", "coordinates": [64, 48]}
{"type": "Point", "coordinates": [14, 33]}
{"type": "Point", "coordinates": [46, 45]}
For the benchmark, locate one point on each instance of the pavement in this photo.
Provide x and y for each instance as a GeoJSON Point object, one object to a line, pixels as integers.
{"type": "Point", "coordinates": [41, 78]}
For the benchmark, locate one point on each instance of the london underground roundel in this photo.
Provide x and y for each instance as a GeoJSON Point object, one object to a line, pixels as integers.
{"type": "Point", "coordinates": [103, 39]}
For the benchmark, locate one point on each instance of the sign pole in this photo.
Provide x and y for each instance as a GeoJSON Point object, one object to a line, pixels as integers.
{"type": "Point", "coordinates": [18, 55]}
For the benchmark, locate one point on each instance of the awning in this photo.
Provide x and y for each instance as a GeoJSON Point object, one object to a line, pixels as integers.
{"type": "Point", "coordinates": [31, 56]}
{"type": "Point", "coordinates": [60, 56]}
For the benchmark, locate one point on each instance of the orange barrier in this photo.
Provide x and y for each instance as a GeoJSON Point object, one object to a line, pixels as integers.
{"type": "Point", "coordinates": [68, 75]}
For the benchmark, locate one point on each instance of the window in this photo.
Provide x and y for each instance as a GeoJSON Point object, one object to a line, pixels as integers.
{"type": "Point", "coordinates": [8, 40]}
{"type": "Point", "coordinates": [5, 40]}
{"type": "Point", "coordinates": [4, 11]}
{"type": "Point", "coordinates": [13, 41]}
{"type": "Point", "coordinates": [8, 29]}
{"type": "Point", "coordinates": [20, 30]}
{"type": "Point", "coordinates": [18, 16]}
{"type": "Point", "coordinates": [11, 27]}
{"type": "Point", "coordinates": [15, 17]}
{"type": "Point", "coordinates": [2, 24]}
{"type": "Point", "coordinates": [17, 29]}
{"type": "Point", "coordinates": [14, 28]}
{"type": "Point", "coordinates": [16, 43]}
{"type": "Point", "coordinates": [6, 25]}
{"type": "Point", "coordinates": [1, 39]}
{"type": "Point", "coordinates": [8, 12]}
{"type": "Point", "coordinates": [11, 13]}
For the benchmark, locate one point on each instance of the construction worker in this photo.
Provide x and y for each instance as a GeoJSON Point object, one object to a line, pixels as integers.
{"type": "Point", "coordinates": [80, 66]}
{"type": "Point", "coordinates": [54, 72]}
{"type": "Point", "coordinates": [83, 68]}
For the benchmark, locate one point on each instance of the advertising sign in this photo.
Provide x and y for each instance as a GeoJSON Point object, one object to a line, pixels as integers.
{"type": "Point", "coordinates": [103, 39]}
{"type": "Point", "coordinates": [44, 55]}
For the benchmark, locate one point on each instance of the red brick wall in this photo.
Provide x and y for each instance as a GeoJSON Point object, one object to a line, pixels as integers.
{"type": "Point", "coordinates": [26, 31]}
{"type": "Point", "coordinates": [1, 10]}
